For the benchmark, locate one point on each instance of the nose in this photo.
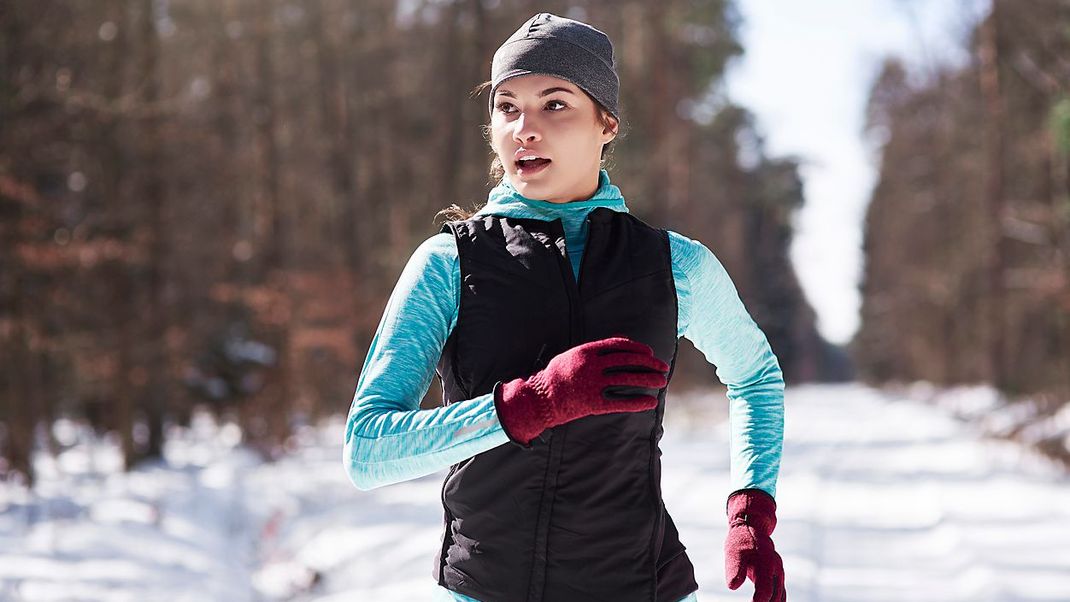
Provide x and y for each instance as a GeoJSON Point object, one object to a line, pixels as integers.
{"type": "Point", "coordinates": [525, 129]}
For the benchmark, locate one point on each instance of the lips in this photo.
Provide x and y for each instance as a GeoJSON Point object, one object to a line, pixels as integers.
{"type": "Point", "coordinates": [530, 168]}
{"type": "Point", "coordinates": [527, 152]}
{"type": "Point", "coordinates": [531, 163]}
{"type": "Point", "coordinates": [526, 158]}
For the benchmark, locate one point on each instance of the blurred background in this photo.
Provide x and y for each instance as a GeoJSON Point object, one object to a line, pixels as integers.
{"type": "Point", "coordinates": [204, 205]}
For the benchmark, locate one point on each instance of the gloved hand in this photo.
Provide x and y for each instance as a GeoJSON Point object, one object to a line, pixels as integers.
{"type": "Point", "coordinates": [748, 550]}
{"type": "Point", "coordinates": [615, 374]}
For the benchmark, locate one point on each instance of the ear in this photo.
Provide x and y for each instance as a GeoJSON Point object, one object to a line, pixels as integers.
{"type": "Point", "coordinates": [611, 132]}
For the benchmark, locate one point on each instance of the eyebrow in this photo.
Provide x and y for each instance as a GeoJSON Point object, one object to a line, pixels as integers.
{"type": "Point", "coordinates": [541, 94]}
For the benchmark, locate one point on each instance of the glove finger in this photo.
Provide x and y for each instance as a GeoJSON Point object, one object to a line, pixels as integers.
{"type": "Point", "coordinates": [780, 576]}
{"type": "Point", "coordinates": [621, 345]}
{"type": "Point", "coordinates": [651, 380]}
{"type": "Point", "coordinates": [778, 591]}
{"type": "Point", "coordinates": [734, 570]}
{"type": "Point", "coordinates": [632, 362]}
{"type": "Point", "coordinates": [639, 362]}
{"type": "Point", "coordinates": [764, 585]}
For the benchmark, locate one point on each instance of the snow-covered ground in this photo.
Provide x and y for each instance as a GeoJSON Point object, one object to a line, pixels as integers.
{"type": "Point", "coordinates": [879, 498]}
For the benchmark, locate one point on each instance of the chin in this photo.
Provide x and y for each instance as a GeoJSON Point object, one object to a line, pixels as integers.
{"type": "Point", "coordinates": [529, 189]}
{"type": "Point", "coordinates": [520, 184]}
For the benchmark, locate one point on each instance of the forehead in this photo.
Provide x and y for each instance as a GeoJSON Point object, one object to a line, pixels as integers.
{"type": "Point", "coordinates": [533, 84]}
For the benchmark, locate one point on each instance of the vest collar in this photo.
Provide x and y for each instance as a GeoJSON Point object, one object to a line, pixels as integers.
{"type": "Point", "coordinates": [506, 201]}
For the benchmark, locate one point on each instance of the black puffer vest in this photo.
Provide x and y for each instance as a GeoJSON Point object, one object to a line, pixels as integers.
{"type": "Point", "coordinates": [577, 515]}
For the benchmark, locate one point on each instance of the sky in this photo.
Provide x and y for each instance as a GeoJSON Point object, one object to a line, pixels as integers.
{"type": "Point", "coordinates": [805, 74]}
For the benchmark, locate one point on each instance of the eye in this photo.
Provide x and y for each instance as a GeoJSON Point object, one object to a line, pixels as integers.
{"type": "Point", "coordinates": [501, 106]}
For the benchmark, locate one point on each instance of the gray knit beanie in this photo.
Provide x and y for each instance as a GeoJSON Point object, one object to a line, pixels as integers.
{"type": "Point", "coordinates": [561, 47]}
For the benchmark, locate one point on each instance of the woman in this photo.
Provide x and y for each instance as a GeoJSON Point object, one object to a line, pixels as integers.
{"type": "Point", "coordinates": [552, 318]}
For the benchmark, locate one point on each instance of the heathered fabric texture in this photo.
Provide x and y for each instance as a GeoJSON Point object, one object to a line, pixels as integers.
{"type": "Point", "coordinates": [576, 384]}
{"type": "Point", "coordinates": [562, 47]}
{"type": "Point", "coordinates": [389, 439]}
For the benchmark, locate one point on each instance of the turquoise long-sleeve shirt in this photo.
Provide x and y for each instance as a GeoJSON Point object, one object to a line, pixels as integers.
{"type": "Point", "coordinates": [389, 439]}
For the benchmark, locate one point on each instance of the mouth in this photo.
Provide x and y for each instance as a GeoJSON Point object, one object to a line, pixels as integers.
{"type": "Point", "coordinates": [527, 167]}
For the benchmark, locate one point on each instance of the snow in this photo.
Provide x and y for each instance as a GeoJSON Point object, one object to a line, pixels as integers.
{"type": "Point", "coordinates": [882, 495]}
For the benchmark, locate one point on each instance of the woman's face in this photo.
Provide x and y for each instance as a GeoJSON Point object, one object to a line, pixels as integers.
{"type": "Point", "coordinates": [560, 125]}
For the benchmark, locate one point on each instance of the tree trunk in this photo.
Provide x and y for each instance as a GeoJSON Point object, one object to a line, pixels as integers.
{"type": "Point", "coordinates": [994, 192]}
{"type": "Point", "coordinates": [158, 392]}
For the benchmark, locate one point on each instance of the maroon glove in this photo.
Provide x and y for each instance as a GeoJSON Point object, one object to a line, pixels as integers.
{"type": "Point", "coordinates": [748, 551]}
{"type": "Point", "coordinates": [616, 374]}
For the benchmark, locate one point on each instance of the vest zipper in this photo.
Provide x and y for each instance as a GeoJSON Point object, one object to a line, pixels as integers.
{"type": "Point", "coordinates": [572, 284]}
{"type": "Point", "coordinates": [538, 576]}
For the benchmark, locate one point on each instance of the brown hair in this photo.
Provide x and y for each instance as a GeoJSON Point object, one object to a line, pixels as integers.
{"type": "Point", "coordinates": [496, 171]}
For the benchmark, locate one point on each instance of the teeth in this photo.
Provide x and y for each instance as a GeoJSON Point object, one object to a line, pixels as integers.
{"type": "Point", "coordinates": [528, 157]}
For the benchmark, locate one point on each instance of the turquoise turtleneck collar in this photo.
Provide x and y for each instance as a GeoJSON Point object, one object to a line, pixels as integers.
{"type": "Point", "coordinates": [504, 199]}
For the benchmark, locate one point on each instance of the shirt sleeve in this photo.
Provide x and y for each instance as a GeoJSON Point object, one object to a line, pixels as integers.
{"type": "Point", "coordinates": [713, 317]}
{"type": "Point", "coordinates": [388, 438]}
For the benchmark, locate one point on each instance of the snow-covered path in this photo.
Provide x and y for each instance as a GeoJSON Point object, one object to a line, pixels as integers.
{"type": "Point", "coordinates": [879, 498]}
{"type": "Point", "coordinates": [885, 499]}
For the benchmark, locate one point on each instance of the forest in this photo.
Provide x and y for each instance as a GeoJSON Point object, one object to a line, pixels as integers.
{"type": "Point", "coordinates": [206, 203]}
{"type": "Point", "coordinates": [967, 234]}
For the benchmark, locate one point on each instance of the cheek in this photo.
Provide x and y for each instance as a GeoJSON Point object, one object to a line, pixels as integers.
{"type": "Point", "coordinates": [498, 135]}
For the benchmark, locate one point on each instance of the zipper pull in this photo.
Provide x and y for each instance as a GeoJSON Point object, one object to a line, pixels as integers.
{"type": "Point", "coordinates": [538, 359]}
